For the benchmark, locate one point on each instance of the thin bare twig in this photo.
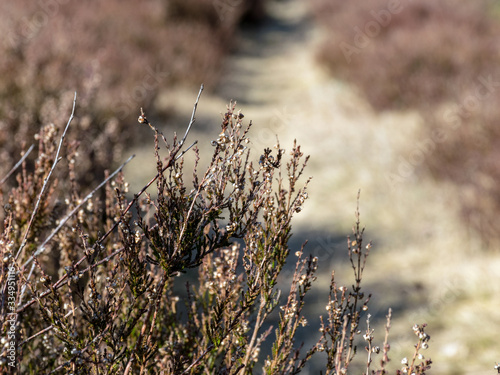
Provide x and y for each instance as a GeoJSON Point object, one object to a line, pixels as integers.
{"type": "Point", "coordinates": [61, 224]}
{"type": "Point", "coordinates": [191, 122]}
{"type": "Point", "coordinates": [63, 280]}
{"type": "Point", "coordinates": [186, 150]}
{"type": "Point", "coordinates": [68, 216]}
{"type": "Point", "coordinates": [17, 164]}
{"type": "Point", "coordinates": [43, 331]}
{"type": "Point", "coordinates": [207, 350]}
{"type": "Point", "coordinates": [98, 337]}
{"type": "Point", "coordinates": [46, 182]}
{"type": "Point", "coordinates": [385, 358]}
{"type": "Point", "coordinates": [261, 316]}
{"type": "Point", "coordinates": [152, 310]}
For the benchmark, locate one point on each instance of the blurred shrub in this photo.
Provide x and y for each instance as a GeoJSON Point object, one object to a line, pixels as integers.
{"type": "Point", "coordinates": [414, 53]}
{"type": "Point", "coordinates": [468, 154]}
{"type": "Point", "coordinates": [441, 58]}
{"type": "Point", "coordinates": [116, 54]}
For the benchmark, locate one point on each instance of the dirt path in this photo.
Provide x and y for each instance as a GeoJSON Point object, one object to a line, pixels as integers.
{"type": "Point", "coordinates": [423, 255]}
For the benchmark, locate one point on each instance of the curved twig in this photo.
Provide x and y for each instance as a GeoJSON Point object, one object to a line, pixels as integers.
{"type": "Point", "coordinates": [17, 165]}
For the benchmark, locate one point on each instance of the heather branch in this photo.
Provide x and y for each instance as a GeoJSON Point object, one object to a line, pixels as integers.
{"type": "Point", "coordinates": [45, 182]}
{"type": "Point", "coordinates": [368, 337]}
{"type": "Point", "coordinates": [191, 122]}
{"type": "Point", "coordinates": [43, 330]}
{"type": "Point", "coordinates": [386, 348]}
{"type": "Point", "coordinates": [197, 360]}
{"type": "Point", "coordinates": [63, 222]}
{"type": "Point", "coordinates": [174, 155]}
{"type": "Point", "coordinates": [68, 216]}
{"type": "Point", "coordinates": [98, 337]}
{"type": "Point", "coordinates": [261, 316]}
{"type": "Point", "coordinates": [159, 294]}
{"type": "Point", "coordinates": [64, 279]}
{"type": "Point", "coordinates": [172, 159]}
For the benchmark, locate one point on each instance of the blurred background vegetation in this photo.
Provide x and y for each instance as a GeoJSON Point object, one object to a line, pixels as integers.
{"type": "Point", "coordinates": [442, 59]}
{"type": "Point", "coordinates": [117, 55]}
{"type": "Point", "coordinates": [398, 98]}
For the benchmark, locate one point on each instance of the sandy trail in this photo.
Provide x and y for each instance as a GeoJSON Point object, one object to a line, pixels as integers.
{"type": "Point", "coordinates": [424, 264]}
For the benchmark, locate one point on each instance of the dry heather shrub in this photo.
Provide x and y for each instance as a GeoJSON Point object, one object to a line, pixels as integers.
{"type": "Point", "coordinates": [90, 275]}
